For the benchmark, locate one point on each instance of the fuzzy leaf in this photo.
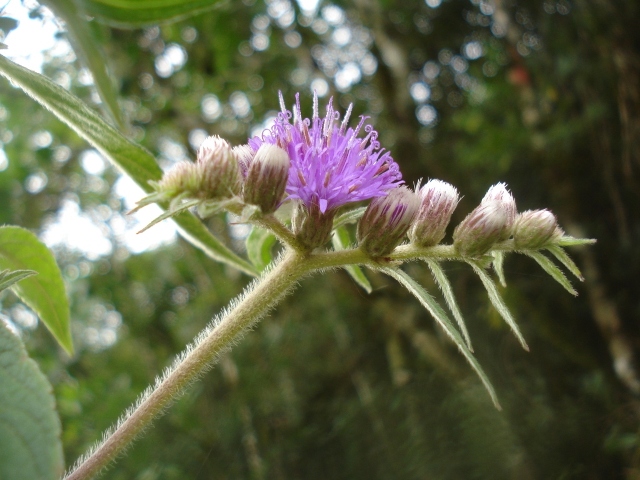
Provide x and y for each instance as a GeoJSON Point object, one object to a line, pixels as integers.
{"type": "Point", "coordinates": [259, 243]}
{"type": "Point", "coordinates": [351, 216]}
{"type": "Point", "coordinates": [29, 425]}
{"type": "Point", "coordinates": [341, 240]}
{"type": "Point", "coordinates": [447, 292]}
{"type": "Point", "coordinates": [44, 293]}
{"type": "Point", "coordinates": [548, 266]}
{"type": "Point", "coordinates": [568, 241]}
{"type": "Point", "coordinates": [497, 302]}
{"type": "Point", "coordinates": [130, 157]}
{"type": "Point", "coordinates": [563, 258]}
{"type": "Point", "coordinates": [8, 278]}
{"type": "Point", "coordinates": [440, 316]}
{"type": "Point", "coordinates": [498, 266]}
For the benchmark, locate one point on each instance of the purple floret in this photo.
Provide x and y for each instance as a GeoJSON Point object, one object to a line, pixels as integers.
{"type": "Point", "coordinates": [330, 165]}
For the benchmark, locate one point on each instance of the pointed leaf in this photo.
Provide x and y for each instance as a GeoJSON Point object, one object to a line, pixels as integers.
{"type": "Point", "coordinates": [447, 292]}
{"type": "Point", "coordinates": [8, 278]}
{"type": "Point", "coordinates": [498, 266]}
{"type": "Point", "coordinates": [548, 266]}
{"type": "Point", "coordinates": [440, 316]}
{"type": "Point", "coordinates": [130, 157]}
{"type": "Point", "coordinates": [352, 216]}
{"type": "Point", "coordinates": [568, 241]}
{"type": "Point", "coordinates": [44, 293]}
{"type": "Point", "coordinates": [87, 48]}
{"type": "Point", "coordinates": [172, 212]}
{"type": "Point", "coordinates": [341, 240]}
{"type": "Point", "coordinates": [29, 425]}
{"type": "Point", "coordinates": [497, 302]}
{"type": "Point", "coordinates": [563, 258]}
{"type": "Point", "coordinates": [259, 243]}
{"type": "Point", "coordinates": [132, 13]}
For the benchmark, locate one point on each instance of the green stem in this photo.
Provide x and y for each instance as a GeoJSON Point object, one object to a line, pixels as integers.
{"type": "Point", "coordinates": [253, 305]}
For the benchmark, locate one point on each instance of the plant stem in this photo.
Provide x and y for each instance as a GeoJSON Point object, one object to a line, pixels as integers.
{"type": "Point", "coordinates": [253, 305]}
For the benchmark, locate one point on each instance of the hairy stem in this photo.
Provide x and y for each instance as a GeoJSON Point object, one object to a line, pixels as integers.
{"type": "Point", "coordinates": [254, 304]}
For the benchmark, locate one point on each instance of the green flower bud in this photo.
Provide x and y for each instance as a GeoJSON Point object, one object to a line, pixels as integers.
{"type": "Point", "coordinates": [386, 221]}
{"type": "Point", "coordinates": [534, 229]}
{"type": "Point", "coordinates": [219, 169]}
{"type": "Point", "coordinates": [482, 228]}
{"type": "Point", "coordinates": [266, 178]}
{"type": "Point", "coordinates": [182, 178]}
{"type": "Point", "coordinates": [311, 226]}
{"type": "Point", "coordinates": [438, 200]}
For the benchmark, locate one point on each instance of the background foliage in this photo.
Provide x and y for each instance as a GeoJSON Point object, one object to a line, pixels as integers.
{"type": "Point", "coordinates": [338, 383]}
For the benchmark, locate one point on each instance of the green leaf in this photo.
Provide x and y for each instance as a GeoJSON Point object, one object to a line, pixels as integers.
{"type": "Point", "coordinates": [568, 241]}
{"type": "Point", "coordinates": [87, 48]}
{"type": "Point", "coordinates": [498, 266]}
{"type": "Point", "coordinates": [8, 278]}
{"type": "Point", "coordinates": [497, 302]}
{"type": "Point", "coordinates": [449, 297]}
{"type": "Point", "coordinates": [45, 293]}
{"type": "Point", "coordinates": [130, 157]}
{"type": "Point", "coordinates": [132, 13]}
{"type": "Point", "coordinates": [259, 244]}
{"type": "Point", "coordinates": [350, 216]}
{"type": "Point", "coordinates": [440, 316]}
{"type": "Point", "coordinates": [341, 240]}
{"type": "Point", "coordinates": [563, 258]}
{"type": "Point", "coordinates": [29, 426]}
{"type": "Point", "coordinates": [548, 266]}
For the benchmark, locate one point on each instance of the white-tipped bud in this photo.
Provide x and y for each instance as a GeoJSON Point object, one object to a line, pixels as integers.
{"type": "Point", "coordinates": [219, 169]}
{"type": "Point", "coordinates": [244, 154]}
{"type": "Point", "coordinates": [482, 228]}
{"type": "Point", "coordinates": [534, 229]}
{"type": "Point", "coordinates": [311, 226]}
{"type": "Point", "coordinates": [499, 193]}
{"type": "Point", "coordinates": [182, 178]}
{"type": "Point", "coordinates": [438, 200]}
{"type": "Point", "coordinates": [386, 221]}
{"type": "Point", "coordinates": [267, 178]}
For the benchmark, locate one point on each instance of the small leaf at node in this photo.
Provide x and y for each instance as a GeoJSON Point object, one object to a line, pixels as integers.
{"type": "Point", "coordinates": [548, 266]}
{"type": "Point", "coordinates": [563, 258]}
{"type": "Point", "coordinates": [342, 240]}
{"type": "Point", "coordinates": [259, 243]}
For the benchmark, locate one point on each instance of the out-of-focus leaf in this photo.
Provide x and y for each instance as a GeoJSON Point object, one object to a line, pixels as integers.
{"type": "Point", "coordinates": [441, 317]}
{"type": "Point", "coordinates": [497, 302]}
{"type": "Point", "coordinates": [449, 297]}
{"type": "Point", "coordinates": [133, 13]}
{"type": "Point", "coordinates": [29, 425]}
{"type": "Point", "coordinates": [568, 241]}
{"type": "Point", "coordinates": [130, 157]}
{"type": "Point", "coordinates": [86, 46]}
{"type": "Point", "coordinates": [7, 24]}
{"type": "Point", "coordinates": [341, 240]}
{"type": "Point", "coordinates": [8, 278]}
{"type": "Point", "coordinates": [45, 293]}
{"type": "Point", "coordinates": [259, 244]}
{"type": "Point", "coordinates": [548, 266]}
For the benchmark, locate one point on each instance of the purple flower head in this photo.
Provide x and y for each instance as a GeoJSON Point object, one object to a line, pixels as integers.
{"type": "Point", "coordinates": [330, 165]}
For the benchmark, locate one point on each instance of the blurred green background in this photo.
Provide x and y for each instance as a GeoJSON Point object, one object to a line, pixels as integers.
{"type": "Point", "coordinates": [543, 95]}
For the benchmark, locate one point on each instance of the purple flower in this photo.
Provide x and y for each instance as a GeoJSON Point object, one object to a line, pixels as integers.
{"type": "Point", "coordinates": [330, 164]}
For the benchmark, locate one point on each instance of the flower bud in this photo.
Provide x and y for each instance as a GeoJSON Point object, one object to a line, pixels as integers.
{"type": "Point", "coordinates": [182, 178]}
{"type": "Point", "coordinates": [219, 169]}
{"type": "Point", "coordinates": [386, 221]}
{"type": "Point", "coordinates": [483, 227]}
{"type": "Point", "coordinates": [534, 229]}
{"type": "Point", "coordinates": [267, 178]}
{"type": "Point", "coordinates": [500, 194]}
{"type": "Point", "coordinates": [244, 154]}
{"type": "Point", "coordinates": [438, 200]}
{"type": "Point", "coordinates": [311, 226]}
